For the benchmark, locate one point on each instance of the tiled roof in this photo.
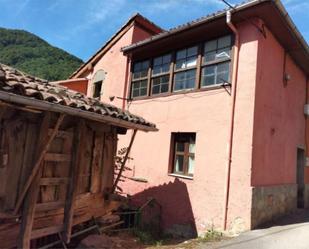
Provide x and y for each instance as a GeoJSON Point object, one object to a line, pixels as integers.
{"type": "Point", "coordinates": [184, 26]}
{"type": "Point", "coordinates": [19, 83]}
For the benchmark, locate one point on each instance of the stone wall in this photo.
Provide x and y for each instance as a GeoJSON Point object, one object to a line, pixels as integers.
{"type": "Point", "coordinates": [271, 202]}
{"type": "Point", "coordinates": [307, 196]}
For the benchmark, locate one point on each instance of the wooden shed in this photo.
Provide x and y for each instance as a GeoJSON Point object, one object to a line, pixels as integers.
{"type": "Point", "coordinates": [57, 150]}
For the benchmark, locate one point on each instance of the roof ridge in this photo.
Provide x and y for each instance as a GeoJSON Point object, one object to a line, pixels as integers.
{"type": "Point", "coordinates": [135, 15]}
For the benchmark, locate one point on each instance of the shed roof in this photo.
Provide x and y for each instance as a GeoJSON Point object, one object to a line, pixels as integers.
{"type": "Point", "coordinates": [21, 88]}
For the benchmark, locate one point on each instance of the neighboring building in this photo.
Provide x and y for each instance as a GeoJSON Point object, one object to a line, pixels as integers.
{"type": "Point", "coordinates": [227, 94]}
{"type": "Point", "coordinates": [108, 66]}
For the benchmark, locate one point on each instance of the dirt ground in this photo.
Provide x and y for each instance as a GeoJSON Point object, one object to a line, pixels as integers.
{"type": "Point", "coordinates": [129, 241]}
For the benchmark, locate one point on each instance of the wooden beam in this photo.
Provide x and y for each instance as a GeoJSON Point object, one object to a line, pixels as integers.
{"type": "Point", "coordinates": [96, 165]}
{"type": "Point", "coordinates": [31, 198]}
{"type": "Point", "coordinates": [49, 206]}
{"type": "Point", "coordinates": [38, 163]}
{"type": "Point", "coordinates": [57, 157]}
{"type": "Point", "coordinates": [19, 107]}
{"type": "Point", "coordinates": [46, 181]}
{"type": "Point", "coordinates": [124, 161]}
{"type": "Point", "coordinates": [46, 231]}
{"type": "Point", "coordinates": [73, 184]}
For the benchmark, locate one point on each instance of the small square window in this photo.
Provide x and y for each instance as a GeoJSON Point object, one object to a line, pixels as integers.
{"type": "Point", "coordinates": [140, 69]}
{"type": "Point", "coordinates": [183, 153]}
{"type": "Point", "coordinates": [139, 88]}
{"type": "Point", "coordinates": [161, 65]}
{"type": "Point", "coordinates": [160, 84]}
{"type": "Point", "coordinates": [186, 58]}
{"type": "Point", "coordinates": [184, 80]}
{"type": "Point", "coordinates": [215, 74]}
{"type": "Point", "coordinates": [219, 49]}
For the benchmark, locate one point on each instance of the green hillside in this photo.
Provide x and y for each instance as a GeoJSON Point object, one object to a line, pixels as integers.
{"type": "Point", "coordinates": [29, 53]}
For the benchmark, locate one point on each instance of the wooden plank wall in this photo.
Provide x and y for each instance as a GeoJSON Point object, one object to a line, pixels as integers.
{"type": "Point", "coordinates": [18, 141]}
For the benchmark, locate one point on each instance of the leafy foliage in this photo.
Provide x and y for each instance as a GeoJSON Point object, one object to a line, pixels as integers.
{"type": "Point", "coordinates": [31, 54]}
{"type": "Point", "coordinates": [119, 158]}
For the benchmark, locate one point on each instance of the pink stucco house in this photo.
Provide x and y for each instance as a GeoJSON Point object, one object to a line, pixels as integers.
{"type": "Point", "coordinates": [228, 93]}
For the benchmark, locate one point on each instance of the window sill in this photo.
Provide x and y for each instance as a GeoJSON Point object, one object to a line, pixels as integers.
{"type": "Point", "coordinates": [181, 176]}
{"type": "Point", "coordinates": [168, 94]}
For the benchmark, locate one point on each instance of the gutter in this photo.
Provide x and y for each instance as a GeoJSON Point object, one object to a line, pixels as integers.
{"type": "Point", "coordinates": [212, 17]}
{"type": "Point", "coordinates": [207, 19]}
{"type": "Point", "coordinates": [231, 129]}
{"type": "Point", "coordinates": [47, 106]}
{"type": "Point", "coordinates": [291, 25]}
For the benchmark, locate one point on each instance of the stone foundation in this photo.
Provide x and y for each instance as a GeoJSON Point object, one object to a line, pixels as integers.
{"type": "Point", "coordinates": [306, 196]}
{"type": "Point", "coordinates": [272, 202]}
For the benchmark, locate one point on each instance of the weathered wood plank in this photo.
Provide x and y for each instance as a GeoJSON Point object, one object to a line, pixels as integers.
{"type": "Point", "coordinates": [80, 136]}
{"type": "Point", "coordinates": [57, 157]}
{"type": "Point", "coordinates": [38, 162]}
{"type": "Point", "coordinates": [16, 135]}
{"type": "Point", "coordinates": [108, 163]}
{"type": "Point", "coordinates": [47, 192]}
{"type": "Point", "coordinates": [31, 196]}
{"type": "Point", "coordinates": [46, 231]}
{"type": "Point", "coordinates": [49, 206]}
{"type": "Point", "coordinates": [63, 168]}
{"type": "Point", "coordinates": [54, 180]}
{"type": "Point", "coordinates": [29, 154]}
{"type": "Point", "coordinates": [86, 160]}
{"type": "Point", "coordinates": [96, 166]}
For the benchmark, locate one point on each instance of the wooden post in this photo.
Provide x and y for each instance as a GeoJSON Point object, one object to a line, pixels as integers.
{"type": "Point", "coordinates": [38, 163]}
{"type": "Point", "coordinates": [31, 198]}
{"type": "Point", "coordinates": [78, 145]}
{"type": "Point", "coordinates": [124, 161]}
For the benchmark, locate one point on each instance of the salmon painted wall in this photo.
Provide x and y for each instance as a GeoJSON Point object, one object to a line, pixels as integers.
{"type": "Point", "coordinates": [77, 85]}
{"type": "Point", "coordinates": [139, 34]}
{"type": "Point", "coordinates": [114, 64]}
{"type": "Point", "coordinates": [279, 116]}
{"type": "Point", "coordinates": [199, 202]}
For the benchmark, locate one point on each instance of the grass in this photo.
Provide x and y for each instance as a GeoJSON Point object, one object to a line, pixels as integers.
{"type": "Point", "coordinates": [211, 235]}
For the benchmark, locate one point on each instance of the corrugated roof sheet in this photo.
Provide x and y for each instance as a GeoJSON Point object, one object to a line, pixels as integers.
{"type": "Point", "coordinates": [19, 83]}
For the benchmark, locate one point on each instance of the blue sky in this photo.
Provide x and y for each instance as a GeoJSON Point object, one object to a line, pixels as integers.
{"type": "Point", "coordinates": [82, 26]}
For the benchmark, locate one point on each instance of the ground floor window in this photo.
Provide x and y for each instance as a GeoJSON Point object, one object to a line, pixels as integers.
{"type": "Point", "coordinates": [183, 153]}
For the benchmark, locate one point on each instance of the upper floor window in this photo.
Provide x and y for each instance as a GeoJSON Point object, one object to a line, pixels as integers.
{"type": "Point", "coordinates": [160, 74]}
{"type": "Point", "coordinates": [200, 66]}
{"type": "Point", "coordinates": [161, 64]}
{"type": "Point", "coordinates": [219, 49]}
{"type": "Point", "coordinates": [216, 63]}
{"type": "Point", "coordinates": [140, 69]}
{"type": "Point", "coordinates": [184, 80]}
{"type": "Point", "coordinates": [97, 82]}
{"type": "Point", "coordinates": [186, 58]}
{"type": "Point", "coordinates": [139, 86]}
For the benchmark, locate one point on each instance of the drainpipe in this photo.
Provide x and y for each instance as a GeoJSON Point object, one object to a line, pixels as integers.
{"type": "Point", "coordinates": [127, 76]}
{"type": "Point", "coordinates": [231, 129]}
{"type": "Point", "coordinates": [307, 119]}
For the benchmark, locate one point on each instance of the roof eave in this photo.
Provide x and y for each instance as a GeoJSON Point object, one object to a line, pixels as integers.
{"type": "Point", "coordinates": [278, 4]}
{"type": "Point", "coordinates": [47, 106]}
